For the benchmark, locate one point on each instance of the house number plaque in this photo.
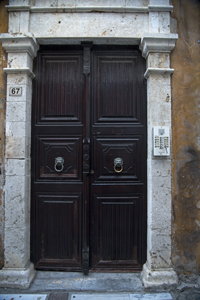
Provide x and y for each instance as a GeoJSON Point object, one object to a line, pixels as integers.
{"type": "Point", "coordinates": [15, 91]}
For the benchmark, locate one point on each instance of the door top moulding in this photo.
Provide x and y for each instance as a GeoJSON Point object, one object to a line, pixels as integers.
{"type": "Point", "coordinates": [98, 41]}
{"type": "Point", "coordinates": [90, 9]}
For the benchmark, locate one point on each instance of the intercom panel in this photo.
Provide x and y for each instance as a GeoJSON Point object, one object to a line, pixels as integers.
{"type": "Point", "coordinates": [161, 141]}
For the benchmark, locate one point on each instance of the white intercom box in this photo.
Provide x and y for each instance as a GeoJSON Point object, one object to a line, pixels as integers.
{"type": "Point", "coordinates": [161, 141]}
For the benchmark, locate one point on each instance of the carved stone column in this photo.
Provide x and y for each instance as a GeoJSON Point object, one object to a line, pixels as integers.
{"type": "Point", "coordinates": [21, 49]}
{"type": "Point", "coordinates": [158, 270]}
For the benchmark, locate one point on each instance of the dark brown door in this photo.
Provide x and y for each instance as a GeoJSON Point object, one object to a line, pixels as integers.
{"type": "Point", "coordinates": [89, 159]}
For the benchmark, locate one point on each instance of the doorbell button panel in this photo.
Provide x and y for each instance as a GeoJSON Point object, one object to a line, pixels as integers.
{"type": "Point", "coordinates": [161, 141]}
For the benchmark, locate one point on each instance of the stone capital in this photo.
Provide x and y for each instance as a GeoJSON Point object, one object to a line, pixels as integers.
{"type": "Point", "coordinates": [157, 43]}
{"type": "Point", "coordinates": [19, 43]}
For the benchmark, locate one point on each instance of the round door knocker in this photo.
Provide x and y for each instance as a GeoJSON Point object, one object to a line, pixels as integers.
{"type": "Point", "coordinates": [59, 164]}
{"type": "Point", "coordinates": [118, 165]}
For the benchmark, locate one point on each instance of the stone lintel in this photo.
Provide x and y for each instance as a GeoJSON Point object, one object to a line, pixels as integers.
{"type": "Point", "coordinates": [86, 9]}
{"type": "Point", "coordinates": [78, 9]}
{"type": "Point", "coordinates": [17, 7]}
{"type": "Point", "coordinates": [19, 43]}
{"type": "Point", "coordinates": [20, 70]}
{"type": "Point", "coordinates": [157, 42]}
{"type": "Point", "coordinates": [159, 278]}
{"type": "Point", "coordinates": [17, 277]}
{"type": "Point", "coordinates": [163, 8]}
{"type": "Point", "coordinates": [159, 71]}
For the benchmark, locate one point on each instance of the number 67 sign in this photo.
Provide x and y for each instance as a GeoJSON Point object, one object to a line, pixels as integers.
{"type": "Point", "coordinates": [15, 91]}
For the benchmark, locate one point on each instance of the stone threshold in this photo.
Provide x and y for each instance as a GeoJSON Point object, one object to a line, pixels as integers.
{"type": "Point", "coordinates": [93, 296]}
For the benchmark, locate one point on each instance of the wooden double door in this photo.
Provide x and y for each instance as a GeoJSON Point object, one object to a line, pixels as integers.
{"type": "Point", "coordinates": [88, 209]}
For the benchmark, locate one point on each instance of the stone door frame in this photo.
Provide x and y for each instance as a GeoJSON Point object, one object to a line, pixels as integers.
{"type": "Point", "coordinates": [18, 271]}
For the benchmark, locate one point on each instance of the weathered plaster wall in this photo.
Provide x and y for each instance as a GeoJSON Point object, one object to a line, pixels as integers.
{"type": "Point", "coordinates": [185, 59]}
{"type": "Point", "coordinates": [3, 63]}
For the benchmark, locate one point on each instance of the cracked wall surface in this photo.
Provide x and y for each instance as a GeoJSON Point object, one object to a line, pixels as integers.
{"type": "Point", "coordinates": [185, 59]}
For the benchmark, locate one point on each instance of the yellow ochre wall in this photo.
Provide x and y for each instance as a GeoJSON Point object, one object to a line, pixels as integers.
{"type": "Point", "coordinates": [185, 59]}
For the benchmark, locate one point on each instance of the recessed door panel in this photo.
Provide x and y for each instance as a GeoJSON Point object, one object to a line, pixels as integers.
{"type": "Point", "coordinates": [58, 230]}
{"type": "Point", "coordinates": [61, 84]}
{"type": "Point", "coordinates": [50, 148]}
{"type": "Point", "coordinates": [116, 222]}
{"type": "Point", "coordinates": [108, 149]}
{"type": "Point", "coordinates": [115, 92]}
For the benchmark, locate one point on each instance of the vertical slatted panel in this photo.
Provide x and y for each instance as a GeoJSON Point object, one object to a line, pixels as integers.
{"type": "Point", "coordinates": [61, 88]}
{"type": "Point", "coordinates": [58, 229]}
{"type": "Point", "coordinates": [119, 223]}
{"type": "Point", "coordinates": [115, 88]}
{"type": "Point", "coordinates": [58, 238]}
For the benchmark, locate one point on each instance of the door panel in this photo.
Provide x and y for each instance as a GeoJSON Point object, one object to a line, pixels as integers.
{"type": "Point", "coordinates": [108, 148]}
{"type": "Point", "coordinates": [89, 108]}
{"type": "Point", "coordinates": [67, 147]}
{"type": "Point", "coordinates": [57, 131]}
{"type": "Point", "coordinates": [60, 79]}
{"type": "Point", "coordinates": [58, 230]}
{"type": "Point", "coordinates": [116, 221]}
{"type": "Point", "coordinates": [118, 130]}
{"type": "Point", "coordinates": [115, 88]}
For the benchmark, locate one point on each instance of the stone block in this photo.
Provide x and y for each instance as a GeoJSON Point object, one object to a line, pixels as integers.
{"type": "Point", "coordinates": [158, 60]}
{"type": "Point", "coordinates": [78, 25]}
{"type": "Point", "coordinates": [137, 3]}
{"type": "Point", "coordinates": [15, 98]}
{"type": "Point", "coordinates": [19, 79]}
{"type": "Point", "coordinates": [161, 2]}
{"type": "Point", "coordinates": [19, 2]}
{"type": "Point", "coordinates": [19, 60]}
{"type": "Point", "coordinates": [93, 3]}
{"type": "Point", "coordinates": [17, 277]}
{"type": "Point", "coordinates": [164, 22]}
{"type": "Point", "coordinates": [159, 260]}
{"type": "Point", "coordinates": [24, 21]}
{"type": "Point", "coordinates": [28, 129]}
{"type": "Point", "coordinates": [15, 189]}
{"type": "Point", "coordinates": [16, 147]}
{"type": "Point", "coordinates": [16, 216]}
{"type": "Point", "coordinates": [28, 113]}
{"type": "Point", "coordinates": [159, 93]}
{"type": "Point", "coordinates": [160, 110]}
{"type": "Point", "coordinates": [153, 22]}
{"type": "Point", "coordinates": [16, 167]}
{"type": "Point", "coordinates": [28, 147]}
{"type": "Point", "coordinates": [158, 278]}
{"type": "Point", "coordinates": [16, 129]}
{"type": "Point", "coordinates": [16, 111]}
{"type": "Point", "coordinates": [160, 240]}
{"type": "Point", "coordinates": [14, 21]}
{"type": "Point", "coordinates": [160, 167]}
{"type": "Point", "coordinates": [26, 95]}
{"type": "Point", "coordinates": [16, 248]}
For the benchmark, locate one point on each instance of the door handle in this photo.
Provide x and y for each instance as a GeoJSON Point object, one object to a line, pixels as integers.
{"type": "Point", "coordinates": [59, 164]}
{"type": "Point", "coordinates": [118, 165]}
